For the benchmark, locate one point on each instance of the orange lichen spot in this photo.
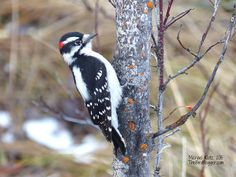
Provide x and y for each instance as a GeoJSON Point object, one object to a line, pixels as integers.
{"type": "Point", "coordinates": [141, 74]}
{"type": "Point", "coordinates": [125, 159]}
{"type": "Point", "coordinates": [131, 66]}
{"type": "Point", "coordinates": [145, 11]}
{"type": "Point", "coordinates": [130, 101]}
{"type": "Point", "coordinates": [150, 4]}
{"type": "Point", "coordinates": [132, 125]}
{"type": "Point", "coordinates": [143, 147]}
{"type": "Point", "coordinates": [189, 107]}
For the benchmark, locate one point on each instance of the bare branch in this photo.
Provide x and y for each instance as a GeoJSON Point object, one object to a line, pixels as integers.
{"type": "Point", "coordinates": [197, 58]}
{"type": "Point", "coordinates": [170, 2]}
{"type": "Point", "coordinates": [163, 147]}
{"type": "Point", "coordinates": [160, 97]}
{"type": "Point", "coordinates": [185, 117]}
{"type": "Point", "coordinates": [176, 18]}
{"type": "Point", "coordinates": [212, 46]}
{"type": "Point", "coordinates": [216, 5]}
{"type": "Point", "coordinates": [172, 132]}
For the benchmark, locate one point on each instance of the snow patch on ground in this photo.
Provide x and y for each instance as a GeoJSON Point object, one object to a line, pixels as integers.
{"type": "Point", "coordinates": [83, 152]}
{"type": "Point", "coordinates": [5, 119]}
{"type": "Point", "coordinates": [50, 133]}
{"type": "Point", "coordinates": [5, 123]}
{"type": "Point", "coordinates": [8, 137]}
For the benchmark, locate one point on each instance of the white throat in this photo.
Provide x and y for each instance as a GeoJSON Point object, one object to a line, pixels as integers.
{"type": "Point", "coordinates": [68, 57]}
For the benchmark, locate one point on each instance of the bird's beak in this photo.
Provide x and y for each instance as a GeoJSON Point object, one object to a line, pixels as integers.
{"type": "Point", "coordinates": [89, 37]}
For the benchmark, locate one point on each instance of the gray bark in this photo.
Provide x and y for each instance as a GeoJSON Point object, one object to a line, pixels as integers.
{"type": "Point", "coordinates": [131, 61]}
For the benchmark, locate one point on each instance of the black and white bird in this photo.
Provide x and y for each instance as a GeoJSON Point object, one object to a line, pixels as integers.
{"type": "Point", "coordinates": [97, 82]}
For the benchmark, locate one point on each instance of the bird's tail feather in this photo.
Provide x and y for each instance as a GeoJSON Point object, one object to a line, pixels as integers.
{"type": "Point", "coordinates": [118, 141]}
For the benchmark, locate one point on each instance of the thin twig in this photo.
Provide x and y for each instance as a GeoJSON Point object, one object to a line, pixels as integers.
{"type": "Point", "coordinates": [112, 3]}
{"type": "Point", "coordinates": [60, 114]}
{"type": "Point", "coordinates": [87, 121]}
{"type": "Point", "coordinates": [211, 47]}
{"type": "Point", "coordinates": [172, 133]}
{"type": "Point", "coordinates": [216, 5]}
{"type": "Point", "coordinates": [182, 45]}
{"type": "Point", "coordinates": [155, 44]}
{"type": "Point", "coordinates": [197, 55]}
{"type": "Point", "coordinates": [172, 112]}
{"type": "Point", "coordinates": [176, 18]}
{"type": "Point", "coordinates": [170, 2]}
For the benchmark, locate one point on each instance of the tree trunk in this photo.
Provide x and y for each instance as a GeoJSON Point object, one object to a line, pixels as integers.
{"type": "Point", "coordinates": [131, 61]}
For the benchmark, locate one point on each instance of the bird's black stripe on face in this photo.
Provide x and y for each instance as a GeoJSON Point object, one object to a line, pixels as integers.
{"type": "Point", "coordinates": [67, 47]}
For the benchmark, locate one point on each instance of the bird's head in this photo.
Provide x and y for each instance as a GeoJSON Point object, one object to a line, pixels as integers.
{"type": "Point", "coordinates": [73, 42]}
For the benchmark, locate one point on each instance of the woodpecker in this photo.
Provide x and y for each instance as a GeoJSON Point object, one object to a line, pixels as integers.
{"type": "Point", "coordinates": [97, 82]}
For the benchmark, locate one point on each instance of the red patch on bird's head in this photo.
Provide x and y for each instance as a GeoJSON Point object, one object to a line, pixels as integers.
{"type": "Point", "coordinates": [60, 45]}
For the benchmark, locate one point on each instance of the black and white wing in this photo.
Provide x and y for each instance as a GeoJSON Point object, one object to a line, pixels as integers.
{"type": "Point", "coordinates": [90, 77]}
{"type": "Point", "coordinates": [99, 106]}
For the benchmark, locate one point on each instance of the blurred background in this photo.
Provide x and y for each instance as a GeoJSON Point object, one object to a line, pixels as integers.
{"type": "Point", "coordinates": [38, 99]}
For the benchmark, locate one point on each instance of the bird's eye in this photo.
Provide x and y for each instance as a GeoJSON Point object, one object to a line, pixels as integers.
{"type": "Point", "coordinates": [77, 42]}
